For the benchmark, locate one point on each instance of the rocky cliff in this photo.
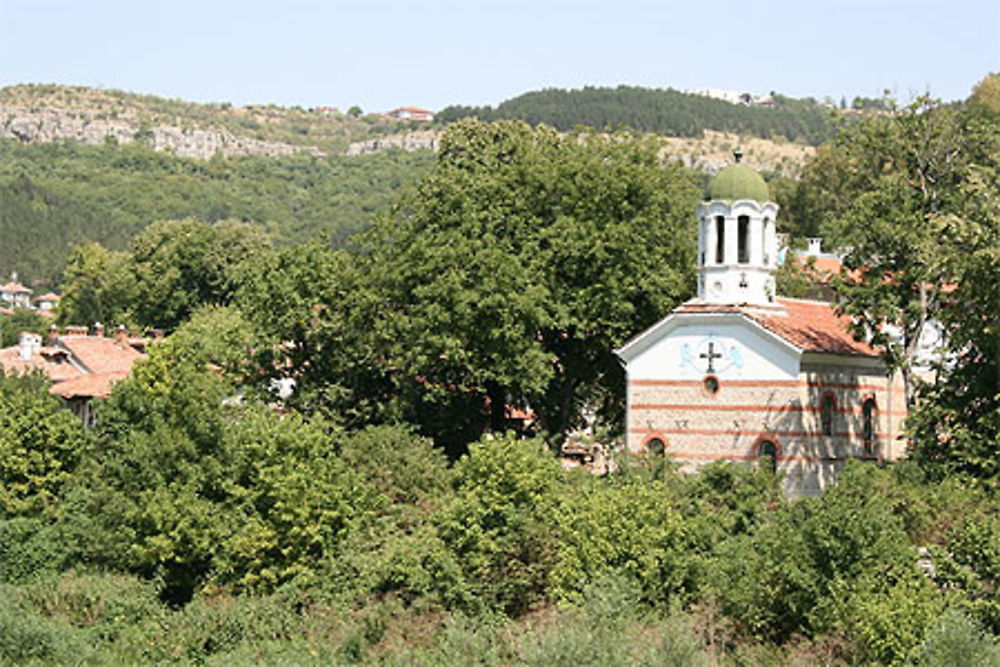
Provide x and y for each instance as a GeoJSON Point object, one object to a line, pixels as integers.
{"type": "Point", "coordinates": [410, 141]}
{"type": "Point", "coordinates": [50, 124]}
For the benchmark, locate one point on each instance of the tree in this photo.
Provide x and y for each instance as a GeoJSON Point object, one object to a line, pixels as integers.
{"type": "Point", "coordinates": [887, 184]}
{"type": "Point", "coordinates": [181, 264]}
{"type": "Point", "coordinates": [986, 93]}
{"type": "Point", "coordinates": [40, 446]}
{"type": "Point", "coordinates": [20, 320]}
{"type": "Point", "coordinates": [195, 487]}
{"type": "Point", "coordinates": [956, 427]}
{"type": "Point", "coordinates": [515, 268]}
{"type": "Point", "coordinates": [98, 286]}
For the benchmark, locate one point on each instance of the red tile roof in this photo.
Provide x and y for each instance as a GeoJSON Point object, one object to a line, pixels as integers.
{"type": "Point", "coordinates": [811, 326]}
{"type": "Point", "coordinates": [58, 371]}
{"type": "Point", "coordinates": [814, 326]}
{"type": "Point", "coordinates": [15, 287]}
{"type": "Point", "coordinates": [99, 354]}
{"type": "Point", "coordinates": [89, 385]}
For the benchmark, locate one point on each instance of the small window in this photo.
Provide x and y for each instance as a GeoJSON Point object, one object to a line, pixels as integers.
{"type": "Point", "coordinates": [711, 384]}
{"type": "Point", "coordinates": [656, 447]}
{"type": "Point", "coordinates": [720, 240]}
{"type": "Point", "coordinates": [868, 424]}
{"type": "Point", "coordinates": [826, 409]}
{"type": "Point", "coordinates": [764, 229]}
{"type": "Point", "coordinates": [743, 234]}
{"type": "Point", "coordinates": [767, 454]}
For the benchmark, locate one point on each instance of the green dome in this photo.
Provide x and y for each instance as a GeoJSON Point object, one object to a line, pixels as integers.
{"type": "Point", "coordinates": [738, 181]}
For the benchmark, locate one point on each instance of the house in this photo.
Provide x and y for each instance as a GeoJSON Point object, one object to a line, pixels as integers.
{"type": "Point", "coordinates": [741, 374]}
{"type": "Point", "coordinates": [14, 294]}
{"type": "Point", "coordinates": [82, 365]}
{"type": "Point", "coordinates": [411, 113]}
{"type": "Point", "coordinates": [47, 302]}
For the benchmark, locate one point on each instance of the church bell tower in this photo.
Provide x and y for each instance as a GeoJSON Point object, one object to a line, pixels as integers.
{"type": "Point", "coordinates": [737, 241]}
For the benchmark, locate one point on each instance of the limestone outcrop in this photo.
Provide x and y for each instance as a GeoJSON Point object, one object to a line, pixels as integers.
{"type": "Point", "coordinates": [48, 124]}
{"type": "Point", "coordinates": [411, 141]}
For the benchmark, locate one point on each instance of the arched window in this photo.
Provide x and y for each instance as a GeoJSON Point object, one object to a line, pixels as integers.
{"type": "Point", "coordinates": [743, 238]}
{"type": "Point", "coordinates": [868, 424]}
{"type": "Point", "coordinates": [655, 447]}
{"type": "Point", "coordinates": [827, 406]}
{"type": "Point", "coordinates": [767, 454]}
{"type": "Point", "coordinates": [720, 240]}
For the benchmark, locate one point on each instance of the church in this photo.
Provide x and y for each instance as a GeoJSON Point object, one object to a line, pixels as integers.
{"type": "Point", "coordinates": [741, 374]}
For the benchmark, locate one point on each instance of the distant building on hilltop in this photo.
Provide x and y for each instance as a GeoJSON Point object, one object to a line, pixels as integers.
{"type": "Point", "coordinates": [47, 302]}
{"type": "Point", "coordinates": [14, 294]}
{"type": "Point", "coordinates": [411, 113]}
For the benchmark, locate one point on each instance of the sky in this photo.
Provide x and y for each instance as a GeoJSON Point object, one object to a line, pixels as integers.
{"type": "Point", "coordinates": [381, 54]}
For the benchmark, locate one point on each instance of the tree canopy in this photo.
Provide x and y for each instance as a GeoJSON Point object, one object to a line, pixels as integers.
{"type": "Point", "coordinates": [505, 278]}
{"type": "Point", "coordinates": [670, 112]}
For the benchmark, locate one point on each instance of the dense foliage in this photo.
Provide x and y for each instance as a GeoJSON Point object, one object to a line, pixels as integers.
{"type": "Point", "coordinates": [55, 196]}
{"type": "Point", "coordinates": [668, 112]}
{"type": "Point", "coordinates": [504, 279]}
{"type": "Point", "coordinates": [187, 528]}
{"type": "Point", "coordinates": [206, 520]}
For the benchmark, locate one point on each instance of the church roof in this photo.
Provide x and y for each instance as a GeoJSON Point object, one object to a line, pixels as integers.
{"type": "Point", "coordinates": [811, 326]}
{"type": "Point", "coordinates": [738, 181]}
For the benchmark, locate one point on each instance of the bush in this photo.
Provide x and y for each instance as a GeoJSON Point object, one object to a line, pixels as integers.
{"type": "Point", "coordinates": [955, 639]}
{"type": "Point", "coordinates": [500, 523]}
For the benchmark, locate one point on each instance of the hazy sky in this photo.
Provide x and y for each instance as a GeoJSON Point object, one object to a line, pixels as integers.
{"type": "Point", "coordinates": [380, 54]}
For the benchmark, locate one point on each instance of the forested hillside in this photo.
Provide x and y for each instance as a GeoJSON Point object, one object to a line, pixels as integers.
{"type": "Point", "coordinates": [53, 196]}
{"type": "Point", "coordinates": [668, 112]}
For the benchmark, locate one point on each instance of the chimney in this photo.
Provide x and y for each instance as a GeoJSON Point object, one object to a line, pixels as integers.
{"type": "Point", "coordinates": [98, 329]}
{"type": "Point", "coordinates": [76, 330]}
{"type": "Point", "coordinates": [815, 243]}
{"type": "Point", "coordinates": [121, 335]}
{"type": "Point", "coordinates": [53, 334]}
{"type": "Point", "coordinates": [28, 345]}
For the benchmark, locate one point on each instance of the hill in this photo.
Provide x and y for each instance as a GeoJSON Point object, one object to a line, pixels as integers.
{"type": "Point", "coordinates": [46, 113]}
{"type": "Point", "coordinates": [80, 164]}
{"type": "Point", "coordinates": [53, 195]}
{"type": "Point", "coordinates": [669, 112]}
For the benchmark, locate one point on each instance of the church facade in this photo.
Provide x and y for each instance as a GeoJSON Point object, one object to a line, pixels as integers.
{"type": "Point", "coordinates": [740, 374]}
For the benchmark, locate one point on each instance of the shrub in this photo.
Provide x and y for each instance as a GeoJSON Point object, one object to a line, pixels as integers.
{"type": "Point", "coordinates": [500, 521]}
{"type": "Point", "coordinates": [955, 639]}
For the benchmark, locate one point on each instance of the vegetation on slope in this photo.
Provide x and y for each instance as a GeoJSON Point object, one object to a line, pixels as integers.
{"type": "Point", "coordinates": [668, 112]}
{"type": "Point", "coordinates": [53, 196]}
{"type": "Point", "coordinates": [328, 130]}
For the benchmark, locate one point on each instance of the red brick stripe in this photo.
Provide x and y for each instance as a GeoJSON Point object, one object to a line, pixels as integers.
{"type": "Point", "coordinates": [754, 408]}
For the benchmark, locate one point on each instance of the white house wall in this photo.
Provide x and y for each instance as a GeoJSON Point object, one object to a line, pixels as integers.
{"type": "Point", "coordinates": [747, 353]}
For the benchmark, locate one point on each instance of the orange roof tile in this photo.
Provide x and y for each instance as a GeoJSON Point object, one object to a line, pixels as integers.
{"type": "Point", "coordinates": [88, 385]}
{"type": "Point", "coordinates": [814, 326]}
{"type": "Point", "coordinates": [15, 287]}
{"type": "Point", "coordinates": [811, 326]}
{"type": "Point", "coordinates": [99, 354]}
{"type": "Point", "coordinates": [58, 371]}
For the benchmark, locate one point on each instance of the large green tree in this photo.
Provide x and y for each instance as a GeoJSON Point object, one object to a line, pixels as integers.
{"type": "Point", "coordinates": [883, 191]}
{"type": "Point", "coordinates": [513, 270]}
{"type": "Point", "coordinates": [505, 278]}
